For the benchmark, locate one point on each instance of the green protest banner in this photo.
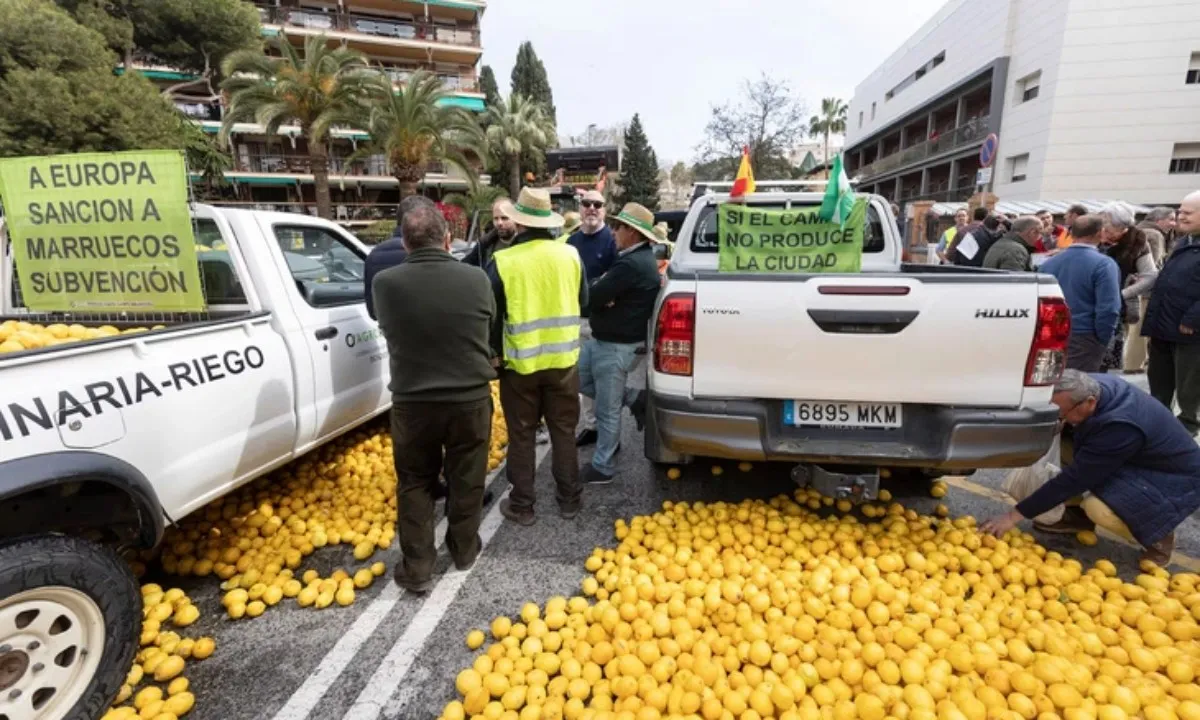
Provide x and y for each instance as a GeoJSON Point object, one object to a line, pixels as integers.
{"type": "Point", "coordinates": [102, 232]}
{"type": "Point", "coordinates": [767, 240]}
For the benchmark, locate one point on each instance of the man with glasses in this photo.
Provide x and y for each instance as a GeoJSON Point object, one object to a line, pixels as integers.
{"type": "Point", "coordinates": [598, 250]}
{"type": "Point", "coordinates": [1139, 468]}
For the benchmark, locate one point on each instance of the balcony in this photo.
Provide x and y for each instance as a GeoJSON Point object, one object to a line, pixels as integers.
{"type": "Point", "coordinates": [414, 31]}
{"type": "Point", "coordinates": [969, 133]}
{"type": "Point", "coordinates": [455, 83]}
{"type": "Point", "coordinates": [294, 163]}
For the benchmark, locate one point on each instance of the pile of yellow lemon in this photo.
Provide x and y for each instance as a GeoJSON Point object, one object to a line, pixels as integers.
{"type": "Point", "coordinates": [256, 538]}
{"type": "Point", "coordinates": [766, 610]}
{"type": "Point", "coordinates": [162, 659]}
{"type": "Point", "coordinates": [17, 335]}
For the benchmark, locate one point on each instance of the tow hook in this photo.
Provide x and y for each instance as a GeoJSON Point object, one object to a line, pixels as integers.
{"type": "Point", "coordinates": [857, 485]}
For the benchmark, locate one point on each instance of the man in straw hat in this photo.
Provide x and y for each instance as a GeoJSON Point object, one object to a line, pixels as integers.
{"type": "Point", "coordinates": [540, 289]}
{"type": "Point", "coordinates": [598, 249]}
{"type": "Point", "coordinates": [571, 223]}
{"type": "Point", "coordinates": [621, 302]}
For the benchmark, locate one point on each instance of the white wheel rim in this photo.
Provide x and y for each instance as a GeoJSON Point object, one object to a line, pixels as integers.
{"type": "Point", "coordinates": [51, 642]}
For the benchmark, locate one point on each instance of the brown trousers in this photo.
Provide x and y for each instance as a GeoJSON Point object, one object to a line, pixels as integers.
{"type": "Point", "coordinates": [526, 399]}
{"type": "Point", "coordinates": [432, 438]}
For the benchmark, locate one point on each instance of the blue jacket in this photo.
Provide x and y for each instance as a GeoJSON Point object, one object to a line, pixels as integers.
{"type": "Point", "coordinates": [598, 252]}
{"type": "Point", "coordinates": [1136, 457]}
{"type": "Point", "coordinates": [386, 254]}
{"type": "Point", "coordinates": [1176, 297]}
{"type": "Point", "coordinates": [1091, 283]}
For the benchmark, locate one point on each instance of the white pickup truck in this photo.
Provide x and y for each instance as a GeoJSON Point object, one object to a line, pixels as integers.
{"type": "Point", "coordinates": [909, 369]}
{"type": "Point", "coordinates": [116, 436]}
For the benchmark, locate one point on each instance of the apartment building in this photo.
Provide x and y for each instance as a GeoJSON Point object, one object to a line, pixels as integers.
{"type": "Point", "coordinates": [402, 37]}
{"type": "Point", "coordinates": [1089, 99]}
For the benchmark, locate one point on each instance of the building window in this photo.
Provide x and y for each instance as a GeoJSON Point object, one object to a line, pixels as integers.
{"type": "Point", "coordinates": [1018, 165]}
{"type": "Point", "coordinates": [1185, 159]}
{"type": "Point", "coordinates": [872, 112]}
{"type": "Point", "coordinates": [916, 75]}
{"type": "Point", "coordinates": [860, 118]}
{"type": "Point", "coordinates": [1193, 73]}
{"type": "Point", "coordinates": [1029, 87]}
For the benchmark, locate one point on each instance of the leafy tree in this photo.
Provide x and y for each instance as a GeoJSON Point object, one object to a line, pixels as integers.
{"type": "Point", "coordinates": [529, 80]}
{"type": "Point", "coordinates": [190, 35]}
{"type": "Point", "coordinates": [518, 126]}
{"type": "Point", "coordinates": [831, 121]}
{"type": "Point", "coordinates": [477, 198]}
{"type": "Point", "coordinates": [768, 119]}
{"type": "Point", "coordinates": [205, 157]}
{"type": "Point", "coordinates": [318, 88]}
{"type": "Point", "coordinates": [487, 85]}
{"type": "Point", "coordinates": [414, 129]}
{"type": "Point", "coordinates": [681, 175]}
{"type": "Point", "coordinates": [58, 93]}
{"type": "Point", "coordinates": [639, 169]}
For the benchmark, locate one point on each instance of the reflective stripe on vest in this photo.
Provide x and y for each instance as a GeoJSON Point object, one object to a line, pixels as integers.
{"type": "Point", "coordinates": [541, 288]}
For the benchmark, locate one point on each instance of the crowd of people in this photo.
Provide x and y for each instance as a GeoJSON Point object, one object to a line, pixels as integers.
{"type": "Point", "coordinates": [1134, 465]}
{"type": "Point", "coordinates": [558, 316]}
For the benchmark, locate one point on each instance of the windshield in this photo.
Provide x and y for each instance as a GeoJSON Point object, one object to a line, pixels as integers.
{"type": "Point", "coordinates": [704, 238]}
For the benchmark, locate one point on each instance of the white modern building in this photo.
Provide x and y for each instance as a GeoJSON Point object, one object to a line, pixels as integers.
{"type": "Point", "coordinates": [1089, 98]}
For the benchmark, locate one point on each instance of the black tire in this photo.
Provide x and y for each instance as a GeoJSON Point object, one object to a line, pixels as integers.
{"type": "Point", "coordinates": [96, 571]}
{"type": "Point", "coordinates": [655, 451]}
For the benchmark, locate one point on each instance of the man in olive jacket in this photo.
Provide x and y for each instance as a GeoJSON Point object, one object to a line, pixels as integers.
{"type": "Point", "coordinates": [620, 304]}
{"type": "Point", "coordinates": [441, 365]}
{"type": "Point", "coordinates": [1014, 251]}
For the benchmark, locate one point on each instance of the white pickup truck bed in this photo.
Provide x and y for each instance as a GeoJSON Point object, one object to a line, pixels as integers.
{"type": "Point", "coordinates": [897, 366]}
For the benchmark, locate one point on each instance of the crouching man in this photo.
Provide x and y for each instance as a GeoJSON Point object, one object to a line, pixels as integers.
{"type": "Point", "coordinates": [1138, 465]}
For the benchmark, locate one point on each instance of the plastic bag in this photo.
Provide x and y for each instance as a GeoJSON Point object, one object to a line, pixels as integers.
{"type": "Point", "coordinates": [1025, 481]}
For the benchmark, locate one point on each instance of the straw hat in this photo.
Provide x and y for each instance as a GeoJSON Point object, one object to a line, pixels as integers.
{"type": "Point", "coordinates": [571, 222]}
{"type": "Point", "coordinates": [533, 209]}
{"type": "Point", "coordinates": [638, 218]}
{"type": "Point", "coordinates": [662, 232]}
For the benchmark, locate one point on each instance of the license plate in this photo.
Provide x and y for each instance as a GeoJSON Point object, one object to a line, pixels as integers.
{"type": "Point", "coordinates": [819, 413]}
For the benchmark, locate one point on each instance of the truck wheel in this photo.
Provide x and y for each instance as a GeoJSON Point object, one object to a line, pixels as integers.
{"type": "Point", "coordinates": [70, 614]}
{"type": "Point", "coordinates": [656, 452]}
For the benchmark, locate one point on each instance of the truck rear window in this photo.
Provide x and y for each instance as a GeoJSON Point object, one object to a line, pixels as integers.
{"type": "Point", "coordinates": [704, 239]}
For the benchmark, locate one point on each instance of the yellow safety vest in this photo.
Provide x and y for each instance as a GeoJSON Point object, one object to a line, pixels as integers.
{"type": "Point", "coordinates": [541, 288]}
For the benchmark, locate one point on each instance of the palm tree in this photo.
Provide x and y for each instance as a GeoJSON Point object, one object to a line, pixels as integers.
{"type": "Point", "coordinates": [414, 128]}
{"type": "Point", "coordinates": [318, 88]}
{"type": "Point", "coordinates": [517, 126]}
{"type": "Point", "coordinates": [831, 121]}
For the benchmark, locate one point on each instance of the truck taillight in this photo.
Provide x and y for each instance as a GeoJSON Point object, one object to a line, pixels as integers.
{"type": "Point", "coordinates": [1048, 354]}
{"type": "Point", "coordinates": [674, 333]}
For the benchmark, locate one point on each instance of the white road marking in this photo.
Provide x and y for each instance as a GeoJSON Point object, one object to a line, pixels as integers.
{"type": "Point", "coordinates": [326, 673]}
{"type": "Point", "coordinates": [391, 672]}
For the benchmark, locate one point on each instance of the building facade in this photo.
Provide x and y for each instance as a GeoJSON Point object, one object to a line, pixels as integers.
{"type": "Point", "coordinates": [1089, 98]}
{"type": "Point", "coordinates": [399, 36]}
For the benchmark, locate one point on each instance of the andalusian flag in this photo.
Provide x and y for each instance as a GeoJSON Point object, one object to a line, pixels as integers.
{"type": "Point", "coordinates": [839, 197]}
{"type": "Point", "coordinates": [743, 184]}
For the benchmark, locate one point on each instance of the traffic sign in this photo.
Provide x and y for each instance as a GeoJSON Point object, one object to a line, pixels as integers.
{"type": "Point", "coordinates": [987, 153]}
{"type": "Point", "coordinates": [983, 176]}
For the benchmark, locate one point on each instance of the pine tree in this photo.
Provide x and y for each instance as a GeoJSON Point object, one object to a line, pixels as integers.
{"type": "Point", "coordinates": [529, 79]}
{"type": "Point", "coordinates": [488, 86]}
{"type": "Point", "coordinates": [639, 169]}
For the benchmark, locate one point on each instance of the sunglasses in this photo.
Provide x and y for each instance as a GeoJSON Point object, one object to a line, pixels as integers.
{"type": "Point", "coordinates": [593, 204]}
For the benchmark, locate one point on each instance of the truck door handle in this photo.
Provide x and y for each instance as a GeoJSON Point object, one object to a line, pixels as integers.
{"type": "Point", "coordinates": [863, 322]}
{"type": "Point", "coordinates": [327, 333]}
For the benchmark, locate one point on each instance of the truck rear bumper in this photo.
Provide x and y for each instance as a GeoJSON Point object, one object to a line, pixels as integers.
{"type": "Point", "coordinates": [933, 436]}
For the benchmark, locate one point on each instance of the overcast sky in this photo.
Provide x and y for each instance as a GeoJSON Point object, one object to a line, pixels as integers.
{"type": "Point", "coordinates": [670, 60]}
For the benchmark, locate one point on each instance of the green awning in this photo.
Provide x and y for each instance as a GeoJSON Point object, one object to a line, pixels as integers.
{"type": "Point", "coordinates": [269, 32]}
{"type": "Point", "coordinates": [256, 180]}
{"type": "Point", "coordinates": [470, 103]}
{"type": "Point", "coordinates": [161, 74]}
{"type": "Point", "coordinates": [452, 4]}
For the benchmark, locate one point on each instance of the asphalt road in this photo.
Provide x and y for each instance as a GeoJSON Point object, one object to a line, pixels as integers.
{"type": "Point", "coordinates": [393, 655]}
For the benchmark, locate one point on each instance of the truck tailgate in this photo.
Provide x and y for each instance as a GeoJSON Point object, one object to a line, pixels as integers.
{"type": "Point", "coordinates": [894, 338]}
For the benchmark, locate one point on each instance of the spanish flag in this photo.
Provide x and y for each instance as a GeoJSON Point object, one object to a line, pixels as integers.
{"type": "Point", "coordinates": [743, 184]}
